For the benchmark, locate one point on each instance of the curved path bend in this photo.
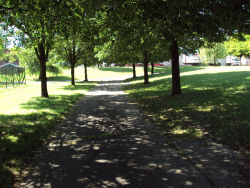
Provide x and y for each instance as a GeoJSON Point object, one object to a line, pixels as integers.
{"type": "Point", "coordinates": [107, 143]}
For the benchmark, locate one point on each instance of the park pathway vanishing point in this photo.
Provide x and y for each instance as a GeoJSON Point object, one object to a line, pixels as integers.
{"type": "Point", "coordinates": [107, 143]}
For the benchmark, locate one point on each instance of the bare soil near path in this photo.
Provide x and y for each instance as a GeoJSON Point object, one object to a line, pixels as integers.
{"type": "Point", "coordinates": [107, 143]}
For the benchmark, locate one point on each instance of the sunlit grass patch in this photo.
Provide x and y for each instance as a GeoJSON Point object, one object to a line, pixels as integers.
{"type": "Point", "coordinates": [215, 104]}
{"type": "Point", "coordinates": [105, 73]}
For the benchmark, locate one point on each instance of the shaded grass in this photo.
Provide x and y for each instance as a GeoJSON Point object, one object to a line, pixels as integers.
{"type": "Point", "coordinates": [26, 126]}
{"type": "Point", "coordinates": [213, 105]}
{"type": "Point", "coordinates": [87, 85]}
{"type": "Point", "coordinates": [59, 78]}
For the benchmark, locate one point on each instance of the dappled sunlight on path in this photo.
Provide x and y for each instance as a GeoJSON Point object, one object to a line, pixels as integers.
{"type": "Point", "coordinates": [107, 143]}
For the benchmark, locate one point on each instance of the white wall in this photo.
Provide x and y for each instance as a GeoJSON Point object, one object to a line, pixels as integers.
{"type": "Point", "coordinates": [168, 63]}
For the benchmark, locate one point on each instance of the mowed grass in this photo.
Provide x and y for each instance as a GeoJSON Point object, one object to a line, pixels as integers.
{"type": "Point", "coordinates": [105, 73]}
{"type": "Point", "coordinates": [94, 73]}
{"type": "Point", "coordinates": [215, 104]}
{"type": "Point", "coordinates": [26, 121]}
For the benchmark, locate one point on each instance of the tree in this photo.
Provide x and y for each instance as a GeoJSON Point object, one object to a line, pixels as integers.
{"type": "Point", "coordinates": [210, 53]}
{"type": "Point", "coordinates": [118, 52]}
{"type": "Point", "coordinates": [159, 54]}
{"type": "Point", "coordinates": [39, 21]}
{"type": "Point", "coordinates": [70, 50]}
{"type": "Point", "coordinates": [88, 58]}
{"type": "Point", "coordinates": [130, 30]}
{"type": "Point", "coordinates": [188, 23]}
{"type": "Point", "coordinates": [238, 47]}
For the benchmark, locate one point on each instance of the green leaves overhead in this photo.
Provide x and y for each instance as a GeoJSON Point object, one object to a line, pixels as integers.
{"type": "Point", "coordinates": [237, 47]}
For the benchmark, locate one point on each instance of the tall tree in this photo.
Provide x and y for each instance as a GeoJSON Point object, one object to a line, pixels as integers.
{"type": "Point", "coordinates": [184, 23]}
{"type": "Point", "coordinates": [39, 21]}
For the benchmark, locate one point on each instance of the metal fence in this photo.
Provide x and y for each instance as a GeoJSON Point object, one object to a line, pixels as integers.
{"type": "Point", "coordinates": [11, 74]}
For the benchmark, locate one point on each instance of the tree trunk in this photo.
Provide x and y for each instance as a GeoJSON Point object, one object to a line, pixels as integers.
{"type": "Point", "coordinates": [72, 66]}
{"type": "Point", "coordinates": [145, 67]}
{"type": "Point", "coordinates": [134, 71]}
{"type": "Point", "coordinates": [85, 72]}
{"type": "Point", "coordinates": [152, 68]}
{"type": "Point", "coordinates": [176, 84]}
{"type": "Point", "coordinates": [42, 54]}
{"type": "Point", "coordinates": [44, 90]}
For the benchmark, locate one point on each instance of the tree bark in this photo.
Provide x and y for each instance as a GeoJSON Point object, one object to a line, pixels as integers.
{"type": "Point", "coordinates": [85, 72]}
{"type": "Point", "coordinates": [72, 67]}
{"type": "Point", "coordinates": [176, 84]}
{"type": "Point", "coordinates": [145, 62]}
{"type": "Point", "coordinates": [42, 55]}
{"type": "Point", "coordinates": [44, 92]}
{"type": "Point", "coordinates": [152, 68]}
{"type": "Point", "coordinates": [134, 71]}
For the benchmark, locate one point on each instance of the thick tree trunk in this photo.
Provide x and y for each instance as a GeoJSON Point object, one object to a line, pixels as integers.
{"type": "Point", "coordinates": [134, 71]}
{"type": "Point", "coordinates": [85, 72]}
{"type": "Point", "coordinates": [176, 84]}
{"type": "Point", "coordinates": [44, 90]}
{"type": "Point", "coordinates": [72, 74]}
{"type": "Point", "coordinates": [145, 67]}
{"type": "Point", "coordinates": [42, 53]}
{"type": "Point", "coordinates": [152, 68]}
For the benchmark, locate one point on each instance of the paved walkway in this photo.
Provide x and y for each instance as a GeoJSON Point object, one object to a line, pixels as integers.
{"type": "Point", "coordinates": [106, 143]}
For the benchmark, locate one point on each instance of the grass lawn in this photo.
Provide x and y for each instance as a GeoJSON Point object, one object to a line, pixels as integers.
{"type": "Point", "coordinates": [215, 104]}
{"type": "Point", "coordinates": [26, 120]}
{"type": "Point", "coordinates": [94, 73]}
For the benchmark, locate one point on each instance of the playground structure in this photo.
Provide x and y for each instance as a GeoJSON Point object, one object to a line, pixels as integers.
{"type": "Point", "coordinates": [11, 74]}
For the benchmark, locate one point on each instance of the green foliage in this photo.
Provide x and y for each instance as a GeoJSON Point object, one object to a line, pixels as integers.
{"type": "Point", "coordinates": [238, 47]}
{"type": "Point", "coordinates": [212, 52]}
{"type": "Point", "coordinates": [1, 47]}
{"type": "Point", "coordinates": [29, 60]}
{"type": "Point", "coordinates": [11, 56]}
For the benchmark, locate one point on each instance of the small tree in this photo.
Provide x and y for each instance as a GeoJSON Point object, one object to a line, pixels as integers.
{"type": "Point", "coordinates": [211, 53]}
{"type": "Point", "coordinates": [70, 50]}
{"type": "Point", "coordinates": [88, 58]}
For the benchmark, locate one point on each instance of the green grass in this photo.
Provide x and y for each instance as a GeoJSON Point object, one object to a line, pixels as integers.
{"type": "Point", "coordinates": [26, 120]}
{"type": "Point", "coordinates": [215, 104]}
{"type": "Point", "coordinates": [94, 73]}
